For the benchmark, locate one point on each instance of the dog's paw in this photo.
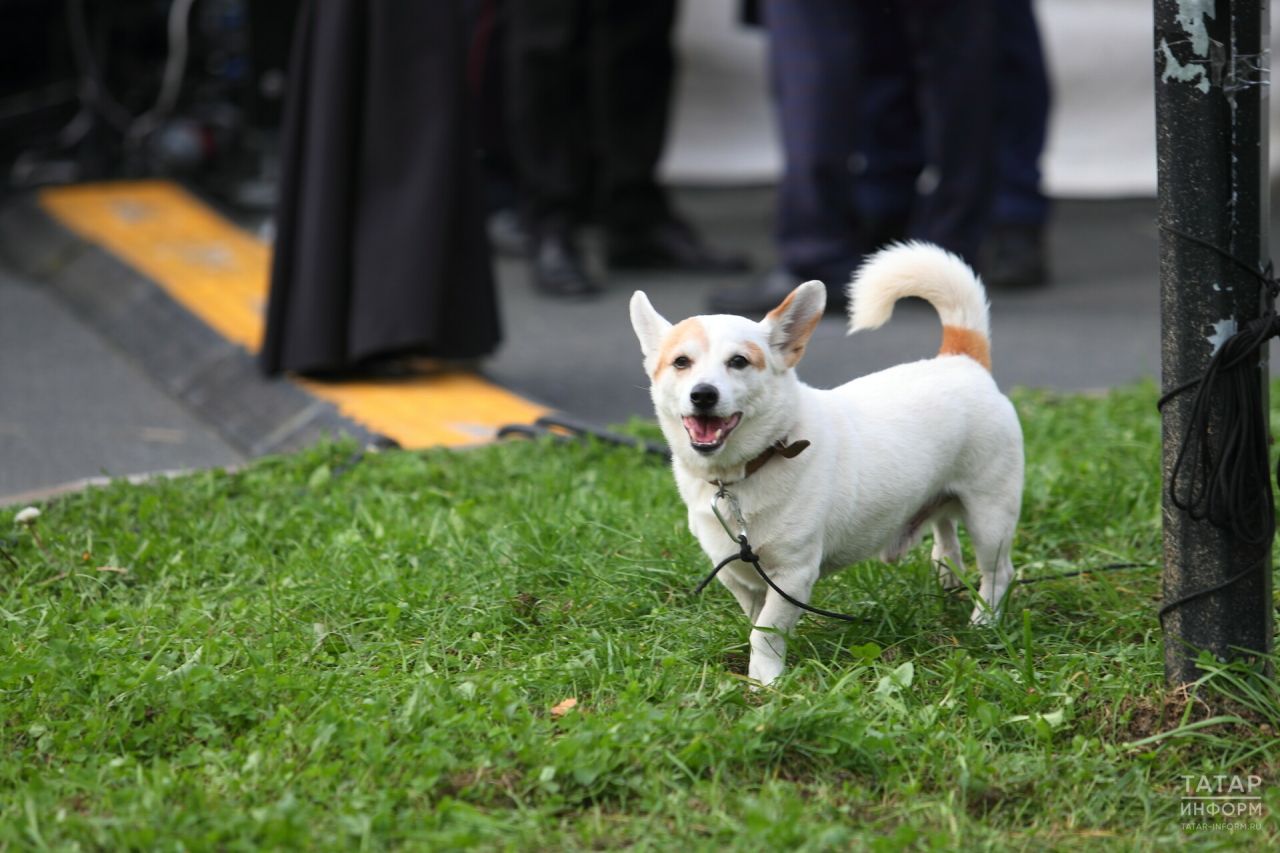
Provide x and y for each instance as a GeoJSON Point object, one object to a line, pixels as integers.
{"type": "Point", "coordinates": [983, 616]}
{"type": "Point", "coordinates": [764, 672]}
{"type": "Point", "coordinates": [947, 578]}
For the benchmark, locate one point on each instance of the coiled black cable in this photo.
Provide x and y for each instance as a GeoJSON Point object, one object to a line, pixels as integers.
{"type": "Point", "coordinates": [1221, 471]}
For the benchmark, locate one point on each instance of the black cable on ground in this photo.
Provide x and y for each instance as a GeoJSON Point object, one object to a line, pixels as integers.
{"type": "Point", "coordinates": [1109, 567]}
{"type": "Point", "coordinates": [563, 429]}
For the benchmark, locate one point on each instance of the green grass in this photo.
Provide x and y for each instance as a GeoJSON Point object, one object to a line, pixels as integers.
{"type": "Point", "coordinates": [319, 653]}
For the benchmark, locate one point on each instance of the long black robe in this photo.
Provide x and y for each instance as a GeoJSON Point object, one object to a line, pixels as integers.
{"type": "Point", "coordinates": [380, 246]}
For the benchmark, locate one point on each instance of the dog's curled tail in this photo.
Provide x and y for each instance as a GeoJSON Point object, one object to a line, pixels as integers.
{"type": "Point", "coordinates": [930, 273]}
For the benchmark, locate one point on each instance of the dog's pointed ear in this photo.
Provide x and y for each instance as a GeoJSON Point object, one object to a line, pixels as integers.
{"type": "Point", "coordinates": [791, 323]}
{"type": "Point", "coordinates": [649, 325]}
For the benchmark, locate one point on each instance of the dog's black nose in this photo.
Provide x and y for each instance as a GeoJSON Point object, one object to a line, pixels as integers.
{"type": "Point", "coordinates": [704, 396]}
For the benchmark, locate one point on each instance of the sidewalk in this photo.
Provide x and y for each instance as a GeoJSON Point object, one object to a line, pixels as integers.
{"type": "Point", "coordinates": [72, 406]}
{"type": "Point", "coordinates": [77, 402]}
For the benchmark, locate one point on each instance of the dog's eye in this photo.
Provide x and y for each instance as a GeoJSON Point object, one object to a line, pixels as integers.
{"type": "Point", "coordinates": [681, 362]}
{"type": "Point", "coordinates": [738, 362]}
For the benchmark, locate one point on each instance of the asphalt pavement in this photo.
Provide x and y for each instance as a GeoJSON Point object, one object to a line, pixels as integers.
{"type": "Point", "coordinates": [1094, 325]}
{"type": "Point", "coordinates": [72, 406]}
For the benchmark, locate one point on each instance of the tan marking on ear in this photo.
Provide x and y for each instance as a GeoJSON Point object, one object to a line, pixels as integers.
{"type": "Point", "coordinates": [960, 341]}
{"type": "Point", "coordinates": [800, 337]}
{"type": "Point", "coordinates": [682, 334]}
{"type": "Point", "coordinates": [800, 341]}
{"type": "Point", "coordinates": [755, 355]}
{"type": "Point", "coordinates": [776, 314]}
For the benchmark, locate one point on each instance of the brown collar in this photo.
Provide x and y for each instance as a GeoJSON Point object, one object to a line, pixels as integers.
{"type": "Point", "coordinates": [778, 448]}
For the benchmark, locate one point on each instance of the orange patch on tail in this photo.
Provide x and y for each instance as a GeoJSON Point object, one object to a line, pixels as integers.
{"type": "Point", "coordinates": [960, 341]}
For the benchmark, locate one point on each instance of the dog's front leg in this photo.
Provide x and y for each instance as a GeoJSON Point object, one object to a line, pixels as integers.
{"type": "Point", "coordinates": [775, 621]}
{"type": "Point", "coordinates": [750, 598]}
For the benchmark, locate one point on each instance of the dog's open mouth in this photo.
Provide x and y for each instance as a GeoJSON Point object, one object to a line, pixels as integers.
{"type": "Point", "coordinates": [708, 432]}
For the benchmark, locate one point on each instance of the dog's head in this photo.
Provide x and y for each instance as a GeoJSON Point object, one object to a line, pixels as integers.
{"type": "Point", "coordinates": [723, 386]}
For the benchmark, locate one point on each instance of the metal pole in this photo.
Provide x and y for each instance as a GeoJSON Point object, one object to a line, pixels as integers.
{"type": "Point", "coordinates": [1211, 67]}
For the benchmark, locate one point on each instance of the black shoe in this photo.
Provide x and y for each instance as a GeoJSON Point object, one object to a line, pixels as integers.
{"type": "Point", "coordinates": [557, 268]}
{"type": "Point", "coordinates": [669, 245]}
{"type": "Point", "coordinates": [508, 234]}
{"type": "Point", "coordinates": [768, 293]}
{"type": "Point", "coordinates": [1013, 256]}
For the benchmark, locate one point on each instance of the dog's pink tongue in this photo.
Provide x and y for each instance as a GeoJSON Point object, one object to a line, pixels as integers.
{"type": "Point", "coordinates": [702, 429]}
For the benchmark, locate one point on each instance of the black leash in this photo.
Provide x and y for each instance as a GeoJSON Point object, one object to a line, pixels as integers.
{"type": "Point", "coordinates": [747, 555]}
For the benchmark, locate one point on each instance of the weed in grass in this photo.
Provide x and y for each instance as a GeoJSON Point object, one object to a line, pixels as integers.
{"type": "Point", "coordinates": [317, 652]}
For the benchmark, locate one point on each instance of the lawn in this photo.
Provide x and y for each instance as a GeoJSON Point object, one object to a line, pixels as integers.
{"type": "Point", "coordinates": [499, 648]}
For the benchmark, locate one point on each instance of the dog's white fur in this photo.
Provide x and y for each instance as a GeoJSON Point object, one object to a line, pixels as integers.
{"type": "Point", "coordinates": [931, 443]}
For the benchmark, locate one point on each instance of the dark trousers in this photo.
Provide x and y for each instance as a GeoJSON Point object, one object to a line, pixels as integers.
{"type": "Point", "coordinates": [588, 87]}
{"type": "Point", "coordinates": [1022, 122]}
{"type": "Point", "coordinates": [824, 55]}
{"type": "Point", "coordinates": [893, 154]}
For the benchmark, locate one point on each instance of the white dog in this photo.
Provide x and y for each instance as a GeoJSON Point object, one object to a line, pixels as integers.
{"type": "Point", "coordinates": [928, 443]}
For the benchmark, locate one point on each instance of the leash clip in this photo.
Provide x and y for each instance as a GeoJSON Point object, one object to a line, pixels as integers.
{"type": "Point", "coordinates": [723, 494]}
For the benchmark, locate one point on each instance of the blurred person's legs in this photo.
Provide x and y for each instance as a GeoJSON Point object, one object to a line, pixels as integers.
{"type": "Point", "coordinates": [1013, 254]}
{"type": "Point", "coordinates": [891, 154]}
{"type": "Point", "coordinates": [633, 69]}
{"type": "Point", "coordinates": [589, 87]}
{"type": "Point", "coordinates": [548, 74]}
{"type": "Point", "coordinates": [814, 67]}
{"type": "Point", "coordinates": [635, 73]}
{"type": "Point", "coordinates": [486, 25]}
{"type": "Point", "coordinates": [380, 249]}
{"type": "Point", "coordinates": [894, 154]}
{"type": "Point", "coordinates": [954, 42]}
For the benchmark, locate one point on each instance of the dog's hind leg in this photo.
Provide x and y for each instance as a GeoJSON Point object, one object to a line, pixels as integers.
{"type": "Point", "coordinates": [946, 552]}
{"type": "Point", "coordinates": [991, 528]}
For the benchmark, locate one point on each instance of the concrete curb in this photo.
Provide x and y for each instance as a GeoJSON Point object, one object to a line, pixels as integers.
{"type": "Point", "coordinates": [217, 380]}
